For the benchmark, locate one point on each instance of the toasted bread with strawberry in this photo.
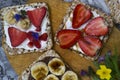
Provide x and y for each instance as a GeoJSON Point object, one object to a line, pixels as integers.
{"type": "Point", "coordinates": [92, 27]}
{"type": "Point", "coordinates": [26, 28]}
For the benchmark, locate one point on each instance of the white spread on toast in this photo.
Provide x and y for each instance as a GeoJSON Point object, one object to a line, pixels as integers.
{"type": "Point", "coordinates": [68, 25]}
{"type": "Point", "coordinates": [32, 28]}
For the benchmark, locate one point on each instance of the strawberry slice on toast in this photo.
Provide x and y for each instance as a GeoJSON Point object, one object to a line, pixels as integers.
{"type": "Point", "coordinates": [36, 17]}
{"type": "Point", "coordinates": [43, 37]}
{"type": "Point", "coordinates": [80, 15]}
{"type": "Point", "coordinates": [16, 36]}
{"type": "Point", "coordinates": [90, 45]}
{"type": "Point", "coordinates": [96, 27]}
{"type": "Point", "coordinates": [67, 38]}
{"type": "Point", "coordinates": [35, 39]}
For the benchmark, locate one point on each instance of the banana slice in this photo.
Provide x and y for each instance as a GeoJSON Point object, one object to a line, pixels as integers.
{"type": "Point", "coordinates": [56, 66]}
{"type": "Point", "coordinates": [9, 17]}
{"type": "Point", "coordinates": [24, 23]}
{"type": "Point", "coordinates": [70, 75]}
{"type": "Point", "coordinates": [39, 71]}
{"type": "Point", "coordinates": [51, 77]}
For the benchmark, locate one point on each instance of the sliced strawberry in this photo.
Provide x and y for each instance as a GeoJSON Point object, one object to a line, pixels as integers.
{"type": "Point", "coordinates": [37, 43]}
{"type": "Point", "coordinates": [36, 17]}
{"type": "Point", "coordinates": [43, 37]}
{"type": "Point", "coordinates": [30, 44]}
{"type": "Point", "coordinates": [30, 37]}
{"type": "Point", "coordinates": [96, 27]}
{"type": "Point", "coordinates": [34, 39]}
{"type": "Point", "coordinates": [90, 45]}
{"type": "Point", "coordinates": [67, 38]}
{"type": "Point", "coordinates": [80, 15]}
{"type": "Point", "coordinates": [16, 36]}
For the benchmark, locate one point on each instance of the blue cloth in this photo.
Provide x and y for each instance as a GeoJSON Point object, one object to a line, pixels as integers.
{"type": "Point", "coordinates": [4, 3]}
{"type": "Point", "coordinates": [6, 70]}
{"type": "Point", "coordinates": [68, 0]}
{"type": "Point", "coordinates": [96, 3]}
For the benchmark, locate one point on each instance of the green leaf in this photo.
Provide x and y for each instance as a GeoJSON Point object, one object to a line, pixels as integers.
{"type": "Point", "coordinates": [115, 59]}
{"type": "Point", "coordinates": [96, 64]}
{"type": "Point", "coordinates": [112, 63]}
{"type": "Point", "coordinates": [108, 62]}
{"type": "Point", "coordinates": [23, 12]}
{"type": "Point", "coordinates": [92, 73]}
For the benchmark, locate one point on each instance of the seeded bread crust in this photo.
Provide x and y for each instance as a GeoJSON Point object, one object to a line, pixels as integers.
{"type": "Point", "coordinates": [114, 6]}
{"type": "Point", "coordinates": [26, 73]}
{"type": "Point", "coordinates": [14, 51]}
{"type": "Point", "coordinates": [50, 53]}
{"type": "Point", "coordinates": [107, 18]}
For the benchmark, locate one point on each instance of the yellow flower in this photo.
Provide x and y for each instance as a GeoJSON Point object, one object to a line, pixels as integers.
{"type": "Point", "coordinates": [104, 72]}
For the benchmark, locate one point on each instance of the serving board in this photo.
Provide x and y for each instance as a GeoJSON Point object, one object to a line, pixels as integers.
{"type": "Point", "coordinates": [58, 9]}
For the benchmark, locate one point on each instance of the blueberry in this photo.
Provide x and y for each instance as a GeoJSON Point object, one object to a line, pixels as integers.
{"type": "Point", "coordinates": [17, 17]}
{"type": "Point", "coordinates": [35, 35]}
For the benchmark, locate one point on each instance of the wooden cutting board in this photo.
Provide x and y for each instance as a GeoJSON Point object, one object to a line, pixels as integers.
{"type": "Point", "coordinates": [57, 9]}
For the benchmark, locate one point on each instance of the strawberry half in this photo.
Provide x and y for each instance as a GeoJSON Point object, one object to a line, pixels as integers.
{"type": "Point", "coordinates": [80, 15]}
{"type": "Point", "coordinates": [96, 27]}
{"type": "Point", "coordinates": [67, 38]}
{"type": "Point", "coordinates": [43, 37]}
{"type": "Point", "coordinates": [36, 17]}
{"type": "Point", "coordinates": [34, 39]}
{"type": "Point", "coordinates": [90, 45]}
{"type": "Point", "coordinates": [16, 36]}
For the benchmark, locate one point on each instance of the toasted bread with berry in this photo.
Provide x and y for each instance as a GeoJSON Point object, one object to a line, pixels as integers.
{"type": "Point", "coordinates": [84, 30]}
{"type": "Point", "coordinates": [49, 66]}
{"type": "Point", "coordinates": [26, 28]}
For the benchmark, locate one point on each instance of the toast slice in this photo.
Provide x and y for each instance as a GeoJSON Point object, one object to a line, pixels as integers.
{"type": "Point", "coordinates": [86, 45]}
{"type": "Point", "coordinates": [49, 66]}
{"type": "Point", "coordinates": [26, 28]}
